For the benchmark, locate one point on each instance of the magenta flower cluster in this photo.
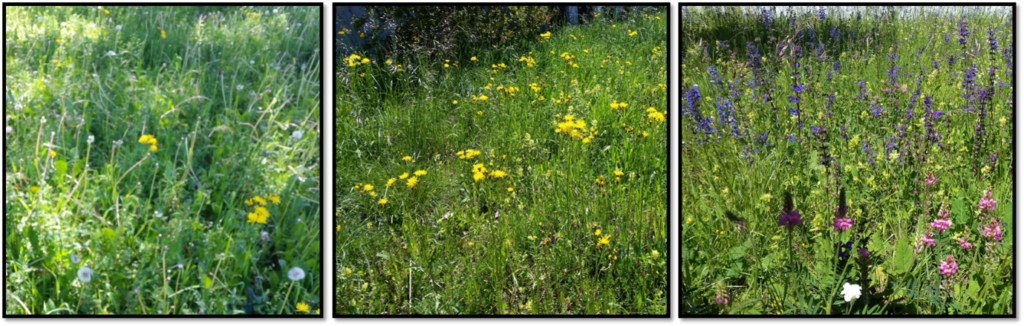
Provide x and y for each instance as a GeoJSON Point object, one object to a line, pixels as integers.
{"type": "Point", "coordinates": [948, 267]}
{"type": "Point", "coordinates": [987, 202]}
{"type": "Point", "coordinates": [963, 241]}
{"type": "Point", "coordinates": [930, 179]}
{"type": "Point", "coordinates": [941, 224]}
{"type": "Point", "coordinates": [992, 230]}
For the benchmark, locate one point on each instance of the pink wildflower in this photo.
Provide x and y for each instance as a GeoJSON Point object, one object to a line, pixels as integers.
{"type": "Point", "coordinates": [948, 267]}
{"type": "Point", "coordinates": [987, 202]}
{"type": "Point", "coordinates": [930, 180]}
{"type": "Point", "coordinates": [928, 240]}
{"type": "Point", "coordinates": [944, 212]}
{"type": "Point", "coordinates": [992, 230]}
{"type": "Point", "coordinates": [722, 299]}
{"type": "Point", "coordinates": [963, 241]}
{"type": "Point", "coordinates": [941, 224]}
{"type": "Point", "coordinates": [903, 88]}
{"type": "Point", "coordinates": [842, 223]}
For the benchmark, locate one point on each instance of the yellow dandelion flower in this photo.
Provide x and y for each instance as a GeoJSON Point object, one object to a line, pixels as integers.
{"type": "Point", "coordinates": [302, 307]}
{"type": "Point", "coordinates": [420, 173]}
{"type": "Point", "coordinates": [404, 175]}
{"type": "Point", "coordinates": [604, 241]}
{"type": "Point", "coordinates": [391, 181]}
{"type": "Point", "coordinates": [259, 200]}
{"type": "Point", "coordinates": [598, 232]}
{"type": "Point", "coordinates": [367, 187]}
{"type": "Point", "coordinates": [383, 201]}
{"type": "Point", "coordinates": [274, 199]}
{"type": "Point", "coordinates": [412, 182]}
{"type": "Point", "coordinates": [407, 158]}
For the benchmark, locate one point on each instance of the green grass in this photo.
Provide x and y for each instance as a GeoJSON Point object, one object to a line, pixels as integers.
{"type": "Point", "coordinates": [165, 231]}
{"type": "Point", "coordinates": [880, 159]}
{"type": "Point", "coordinates": [523, 243]}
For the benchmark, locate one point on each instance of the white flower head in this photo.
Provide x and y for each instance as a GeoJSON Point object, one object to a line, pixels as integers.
{"type": "Point", "coordinates": [265, 236]}
{"type": "Point", "coordinates": [252, 62]}
{"type": "Point", "coordinates": [158, 214]}
{"type": "Point", "coordinates": [275, 11]}
{"type": "Point", "coordinates": [111, 53]}
{"type": "Point", "coordinates": [118, 28]}
{"type": "Point", "coordinates": [297, 134]}
{"type": "Point", "coordinates": [9, 129]}
{"type": "Point", "coordinates": [90, 139]}
{"type": "Point", "coordinates": [63, 24]}
{"type": "Point", "coordinates": [239, 87]}
{"type": "Point", "coordinates": [75, 259]}
{"type": "Point", "coordinates": [850, 291]}
{"type": "Point", "coordinates": [85, 274]}
{"type": "Point", "coordinates": [296, 274]}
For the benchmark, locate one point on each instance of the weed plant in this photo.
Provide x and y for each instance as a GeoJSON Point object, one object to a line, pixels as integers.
{"type": "Point", "coordinates": [162, 160]}
{"type": "Point", "coordinates": [530, 180]}
{"type": "Point", "coordinates": [846, 161]}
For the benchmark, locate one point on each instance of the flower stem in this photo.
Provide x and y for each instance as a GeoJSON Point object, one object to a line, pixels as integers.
{"type": "Point", "coordinates": [285, 301]}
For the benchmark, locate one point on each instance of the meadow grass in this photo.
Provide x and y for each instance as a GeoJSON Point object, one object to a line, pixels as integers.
{"type": "Point", "coordinates": [883, 126]}
{"type": "Point", "coordinates": [136, 141]}
{"type": "Point", "coordinates": [522, 180]}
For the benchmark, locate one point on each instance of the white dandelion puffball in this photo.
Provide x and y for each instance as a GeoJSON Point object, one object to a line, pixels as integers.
{"type": "Point", "coordinates": [850, 291]}
{"type": "Point", "coordinates": [90, 139]}
{"type": "Point", "coordinates": [297, 134]}
{"type": "Point", "coordinates": [75, 259]}
{"type": "Point", "coordinates": [294, 274]}
{"type": "Point", "coordinates": [85, 274]}
{"type": "Point", "coordinates": [252, 62]}
{"type": "Point", "coordinates": [111, 53]}
{"type": "Point", "coordinates": [239, 87]}
{"type": "Point", "coordinates": [265, 236]}
{"type": "Point", "coordinates": [118, 27]}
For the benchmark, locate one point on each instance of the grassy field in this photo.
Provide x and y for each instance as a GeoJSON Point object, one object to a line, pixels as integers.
{"type": "Point", "coordinates": [522, 180]}
{"type": "Point", "coordinates": [162, 160]}
{"type": "Point", "coordinates": [854, 164]}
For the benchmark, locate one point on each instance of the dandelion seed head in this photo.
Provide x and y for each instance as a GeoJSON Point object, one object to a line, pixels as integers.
{"type": "Point", "coordinates": [296, 274]}
{"type": "Point", "coordinates": [85, 274]}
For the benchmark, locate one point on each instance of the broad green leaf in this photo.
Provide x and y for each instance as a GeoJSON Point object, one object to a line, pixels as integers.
{"type": "Point", "coordinates": [61, 166]}
{"type": "Point", "coordinates": [207, 282]}
{"type": "Point", "coordinates": [959, 213]}
{"type": "Point", "coordinates": [904, 257]}
{"type": "Point", "coordinates": [33, 238]}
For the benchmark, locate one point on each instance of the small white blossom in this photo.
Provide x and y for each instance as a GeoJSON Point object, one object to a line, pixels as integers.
{"type": "Point", "coordinates": [275, 11]}
{"type": "Point", "coordinates": [850, 291]}
{"type": "Point", "coordinates": [158, 214]}
{"type": "Point", "coordinates": [118, 28]}
{"type": "Point", "coordinates": [111, 53]}
{"type": "Point", "coordinates": [85, 274]}
{"type": "Point", "coordinates": [252, 62]}
{"type": "Point", "coordinates": [265, 236]}
{"type": "Point", "coordinates": [296, 274]}
{"type": "Point", "coordinates": [296, 134]}
{"type": "Point", "coordinates": [90, 139]}
{"type": "Point", "coordinates": [75, 259]}
{"type": "Point", "coordinates": [239, 87]}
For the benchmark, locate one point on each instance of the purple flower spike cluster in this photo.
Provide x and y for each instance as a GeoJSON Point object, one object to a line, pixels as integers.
{"type": "Point", "coordinates": [790, 216]}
